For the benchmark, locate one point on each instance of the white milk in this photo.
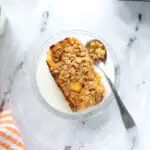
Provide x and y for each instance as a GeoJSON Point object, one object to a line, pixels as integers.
{"type": "Point", "coordinates": [48, 87]}
{"type": "Point", "coordinates": [50, 91]}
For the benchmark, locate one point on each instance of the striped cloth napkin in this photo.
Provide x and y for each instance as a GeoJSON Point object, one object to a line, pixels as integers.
{"type": "Point", "coordinates": [10, 138]}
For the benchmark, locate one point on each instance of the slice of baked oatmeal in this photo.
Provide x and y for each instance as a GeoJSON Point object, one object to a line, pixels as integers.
{"type": "Point", "coordinates": [73, 71]}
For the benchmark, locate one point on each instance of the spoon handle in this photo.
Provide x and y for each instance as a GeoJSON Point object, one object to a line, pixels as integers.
{"type": "Point", "coordinates": [125, 115]}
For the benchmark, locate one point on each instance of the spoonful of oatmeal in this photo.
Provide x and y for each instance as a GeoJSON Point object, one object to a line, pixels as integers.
{"type": "Point", "coordinates": [97, 50]}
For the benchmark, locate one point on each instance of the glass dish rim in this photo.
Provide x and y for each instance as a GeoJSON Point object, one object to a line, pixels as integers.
{"type": "Point", "coordinates": [96, 110]}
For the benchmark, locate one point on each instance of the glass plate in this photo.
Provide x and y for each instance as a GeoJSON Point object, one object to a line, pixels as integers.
{"type": "Point", "coordinates": [46, 89]}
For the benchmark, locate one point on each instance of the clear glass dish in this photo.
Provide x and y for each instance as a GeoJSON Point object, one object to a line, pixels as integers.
{"type": "Point", "coordinates": [37, 75]}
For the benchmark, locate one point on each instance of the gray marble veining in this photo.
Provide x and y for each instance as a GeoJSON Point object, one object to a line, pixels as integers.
{"type": "Point", "coordinates": [124, 25]}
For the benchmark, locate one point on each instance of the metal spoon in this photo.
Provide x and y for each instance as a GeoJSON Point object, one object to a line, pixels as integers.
{"type": "Point", "coordinates": [127, 119]}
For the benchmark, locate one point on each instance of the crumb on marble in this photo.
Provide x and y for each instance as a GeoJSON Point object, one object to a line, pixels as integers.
{"type": "Point", "coordinates": [131, 41]}
{"type": "Point", "coordinates": [83, 122]}
{"type": "Point", "coordinates": [140, 17]}
{"type": "Point", "coordinates": [68, 147]}
{"type": "Point", "coordinates": [143, 82]}
{"type": "Point", "coordinates": [137, 28]}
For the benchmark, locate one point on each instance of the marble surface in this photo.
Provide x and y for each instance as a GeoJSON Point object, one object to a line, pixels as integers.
{"type": "Point", "coordinates": [124, 25]}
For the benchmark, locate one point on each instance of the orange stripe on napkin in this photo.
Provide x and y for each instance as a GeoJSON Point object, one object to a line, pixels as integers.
{"type": "Point", "coordinates": [5, 146]}
{"type": "Point", "coordinates": [13, 130]}
{"type": "Point", "coordinates": [6, 115]}
{"type": "Point", "coordinates": [7, 122]}
{"type": "Point", "coordinates": [11, 139]}
{"type": "Point", "coordinates": [9, 135]}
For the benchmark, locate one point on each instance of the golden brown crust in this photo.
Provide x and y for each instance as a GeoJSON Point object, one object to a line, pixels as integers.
{"type": "Point", "coordinates": [73, 71]}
